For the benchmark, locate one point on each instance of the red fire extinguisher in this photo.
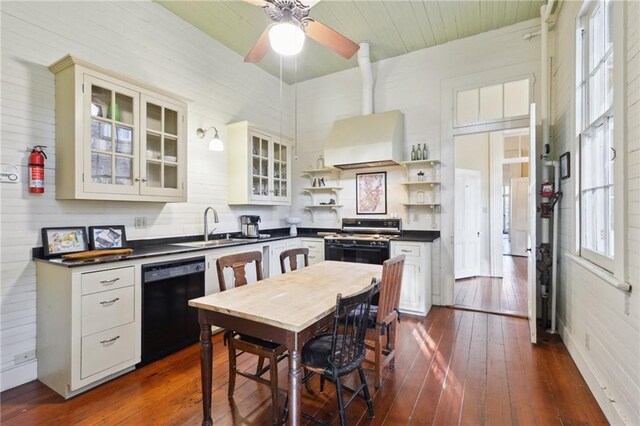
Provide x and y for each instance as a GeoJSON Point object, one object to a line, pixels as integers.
{"type": "Point", "coordinates": [36, 169]}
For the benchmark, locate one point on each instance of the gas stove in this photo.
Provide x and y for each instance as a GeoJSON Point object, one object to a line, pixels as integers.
{"type": "Point", "coordinates": [362, 240]}
{"type": "Point", "coordinates": [360, 237]}
{"type": "Point", "coordinates": [368, 230]}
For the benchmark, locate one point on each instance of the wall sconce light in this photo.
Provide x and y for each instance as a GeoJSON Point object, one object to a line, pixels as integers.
{"type": "Point", "coordinates": [215, 144]}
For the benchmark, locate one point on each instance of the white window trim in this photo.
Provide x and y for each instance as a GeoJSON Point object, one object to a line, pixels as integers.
{"type": "Point", "coordinates": [617, 265]}
{"type": "Point", "coordinates": [482, 123]}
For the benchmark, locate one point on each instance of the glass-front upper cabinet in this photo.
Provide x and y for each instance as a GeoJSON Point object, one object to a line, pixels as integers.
{"type": "Point", "coordinates": [163, 148]}
{"type": "Point", "coordinates": [117, 138]}
{"type": "Point", "coordinates": [259, 166]}
{"type": "Point", "coordinates": [111, 140]}
{"type": "Point", "coordinates": [280, 172]}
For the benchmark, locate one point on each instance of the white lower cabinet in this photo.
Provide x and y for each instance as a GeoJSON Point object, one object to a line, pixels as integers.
{"type": "Point", "coordinates": [415, 295]}
{"type": "Point", "coordinates": [316, 249]}
{"type": "Point", "coordinates": [88, 325]}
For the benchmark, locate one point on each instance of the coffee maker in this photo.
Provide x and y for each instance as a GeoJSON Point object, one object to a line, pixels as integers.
{"type": "Point", "coordinates": [249, 226]}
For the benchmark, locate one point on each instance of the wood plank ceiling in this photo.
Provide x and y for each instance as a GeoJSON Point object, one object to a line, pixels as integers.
{"type": "Point", "coordinates": [392, 28]}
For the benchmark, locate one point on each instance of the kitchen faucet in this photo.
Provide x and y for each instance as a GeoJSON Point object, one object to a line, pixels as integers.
{"type": "Point", "coordinates": [206, 222]}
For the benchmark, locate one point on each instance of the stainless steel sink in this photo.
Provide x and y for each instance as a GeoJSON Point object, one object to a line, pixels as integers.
{"type": "Point", "coordinates": [216, 243]}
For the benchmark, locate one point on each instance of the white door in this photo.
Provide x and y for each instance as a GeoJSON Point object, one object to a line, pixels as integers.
{"type": "Point", "coordinates": [467, 214]}
{"type": "Point", "coordinates": [531, 249]}
{"type": "Point", "coordinates": [519, 221]}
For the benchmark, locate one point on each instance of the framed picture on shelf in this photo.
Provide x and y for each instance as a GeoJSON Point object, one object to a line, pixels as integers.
{"type": "Point", "coordinates": [371, 193]}
{"type": "Point", "coordinates": [63, 240]}
{"type": "Point", "coordinates": [565, 165]}
{"type": "Point", "coordinates": [107, 237]}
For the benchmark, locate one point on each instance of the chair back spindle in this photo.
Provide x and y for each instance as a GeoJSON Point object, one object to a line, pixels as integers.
{"type": "Point", "coordinates": [350, 326]}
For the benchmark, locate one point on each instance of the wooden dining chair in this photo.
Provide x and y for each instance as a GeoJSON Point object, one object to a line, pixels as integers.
{"type": "Point", "coordinates": [334, 355]}
{"type": "Point", "coordinates": [383, 317]}
{"type": "Point", "coordinates": [292, 255]}
{"type": "Point", "coordinates": [239, 343]}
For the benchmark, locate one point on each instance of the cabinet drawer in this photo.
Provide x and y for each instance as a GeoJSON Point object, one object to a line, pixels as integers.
{"type": "Point", "coordinates": [106, 349]}
{"type": "Point", "coordinates": [406, 249]}
{"type": "Point", "coordinates": [107, 309]}
{"type": "Point", "coordinates": [110, 279]}
{"type": "Point", "coordinates": [313, 245]}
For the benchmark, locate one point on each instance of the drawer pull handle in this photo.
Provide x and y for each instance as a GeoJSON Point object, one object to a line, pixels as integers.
{"type": "Point", "coordinates": [312, 257]}
{"type": "Point", "coordinates": [311, 247]}
{"type": "Point", "coordinates": [109, 281]}
{"type": "Point", "coordinates": [106, 342]}
{"type": "Point", "coordinates": [406, 251]}
{"type": "Point", "coordinates": [109, 302]}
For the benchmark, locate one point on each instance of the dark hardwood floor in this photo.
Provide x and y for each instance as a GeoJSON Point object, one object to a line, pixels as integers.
{"type": "Point", "coordinates": [500, 295]}
{"type": "Point", "coordinates": [453, 367]}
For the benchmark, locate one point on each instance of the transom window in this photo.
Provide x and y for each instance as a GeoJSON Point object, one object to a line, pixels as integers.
{"type": "Point", "coordinates": [595, 125]}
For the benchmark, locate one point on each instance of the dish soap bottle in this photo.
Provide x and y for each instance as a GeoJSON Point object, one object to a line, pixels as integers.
{"type": "Point", "coordinates": [320, 163]}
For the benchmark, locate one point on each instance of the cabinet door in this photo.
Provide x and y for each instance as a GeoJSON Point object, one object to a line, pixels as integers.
{"type": "Point", "coordinates": [110, 143]}
{"type": "Point", "coordinates": [259, 167]}
{"type": "Point", "coordinates": [411, 294]}
{"type": "Point", "coordinates": [163, 148]}
{"type": "Point", "coordinates": [280, 171]}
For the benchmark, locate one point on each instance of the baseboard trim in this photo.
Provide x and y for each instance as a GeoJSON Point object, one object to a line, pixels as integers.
{"type": "Point", "coordinates": [18, 375]}
{"type": "Point", "coordinates": [588, 373]}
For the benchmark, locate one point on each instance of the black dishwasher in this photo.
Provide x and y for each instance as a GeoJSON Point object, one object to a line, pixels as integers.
{"type": "Point", "coordinates": [168, 322]}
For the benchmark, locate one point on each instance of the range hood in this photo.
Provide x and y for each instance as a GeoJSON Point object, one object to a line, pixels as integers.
{"type": "Point", "coordinates": [368, 140]}
{"type": "Point", "coordinates": [374, 140]}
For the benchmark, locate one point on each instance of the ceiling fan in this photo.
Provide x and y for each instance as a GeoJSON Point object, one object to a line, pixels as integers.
{"type": "Point", "coordinates": [291, 22]}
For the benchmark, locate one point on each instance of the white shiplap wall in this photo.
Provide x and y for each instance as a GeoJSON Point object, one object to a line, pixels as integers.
{"type": "Point", "coordinates": [411, 83]}
{"type": "Point", "coordinates": [587, 305]}
{"type": "Point", "coordinates": [150, 44]}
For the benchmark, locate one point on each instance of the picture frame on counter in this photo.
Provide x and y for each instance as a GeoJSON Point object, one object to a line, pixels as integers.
{"type": "Point", "coordinates": [107, 237]}
{"type": "Point", "coordinates": [63, 240]}
{"type": "Point", "coordinates": [371, 193]}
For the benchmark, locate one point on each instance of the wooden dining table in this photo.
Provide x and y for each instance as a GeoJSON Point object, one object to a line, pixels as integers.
{"type": "Point", "coordinates": [287, 309]}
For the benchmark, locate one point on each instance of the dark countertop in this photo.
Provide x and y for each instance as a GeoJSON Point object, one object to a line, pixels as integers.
{"type": "Point", "coordinates": [172, 245]}
{"type": "Point", "coordinates": [419, 236]}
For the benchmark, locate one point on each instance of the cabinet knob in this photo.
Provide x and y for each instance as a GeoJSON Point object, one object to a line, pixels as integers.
{"type": "Point", "coordinates": [143, 179]}
{"type": "Point", "coordinates": [137, 179]}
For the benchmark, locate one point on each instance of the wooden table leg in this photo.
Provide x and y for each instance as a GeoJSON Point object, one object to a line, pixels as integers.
{"type": "Point", "coordinates": [295, 386]}
{"type": "Point", "coordinates": [206, 371]}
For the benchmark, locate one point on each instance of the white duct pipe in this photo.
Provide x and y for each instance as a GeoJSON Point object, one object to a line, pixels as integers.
{"type": "Point", "coordinates": [367, 79]}
{"type": "Point", "coordinates": [544, 105]}
{"type": "Point", "coordinates": [554, 265]}
{"type": "Point", "coordinates": [545, 14]}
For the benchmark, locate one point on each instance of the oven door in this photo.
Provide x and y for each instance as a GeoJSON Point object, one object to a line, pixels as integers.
{"type": "Point", "coordinates": [347, 252]}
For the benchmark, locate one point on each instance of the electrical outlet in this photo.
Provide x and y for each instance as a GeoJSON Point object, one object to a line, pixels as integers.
{"type": "Point", "coordinates": [25, 356]}
{"type": "Point", "coordinates": [140, 222]}
{"type": "Point", "coordinates": [587, 341]}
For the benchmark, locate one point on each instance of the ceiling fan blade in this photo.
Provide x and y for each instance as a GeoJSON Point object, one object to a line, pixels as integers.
{"type": "Point", "coordinates": [309, 3]}
{"type": "Point", "coordinates": [259, 3]}
{"type": "Point", "coordinates": [259, 49]}
{"type": "Point", "coordinates": [331, 39]}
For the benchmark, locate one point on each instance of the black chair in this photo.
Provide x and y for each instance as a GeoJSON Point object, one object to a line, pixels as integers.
{"type": "Point", "coordinates": [337, 354]}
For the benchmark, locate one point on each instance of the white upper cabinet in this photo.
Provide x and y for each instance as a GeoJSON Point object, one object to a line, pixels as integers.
{"type": "Point", "coordinates": [117, 139]}
{"type": "Point", "coordinates": [259, 166]}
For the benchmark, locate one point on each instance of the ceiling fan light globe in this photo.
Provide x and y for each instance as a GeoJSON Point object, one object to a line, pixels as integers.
{"type": "Point", "coordinates": [286, 38]}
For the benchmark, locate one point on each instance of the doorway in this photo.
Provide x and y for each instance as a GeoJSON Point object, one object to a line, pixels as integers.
{"type": "Point", "coordinates": [491, 221]}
